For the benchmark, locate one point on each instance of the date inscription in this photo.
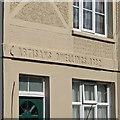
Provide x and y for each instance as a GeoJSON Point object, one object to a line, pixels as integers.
{"type": "Point", "coordinates": [60, 57]}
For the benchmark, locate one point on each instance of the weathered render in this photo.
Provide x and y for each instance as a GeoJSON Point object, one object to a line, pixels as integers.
{"type": "Point", "coordinates": [39, 40]}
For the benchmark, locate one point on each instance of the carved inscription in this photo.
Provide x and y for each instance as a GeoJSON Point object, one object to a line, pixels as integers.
{"type": "Point", "coordinates": [78, 59]}
{"type": "Point", "coordinates": [58, 57]}
{"type": "Point", "coordinates": [32, 53]}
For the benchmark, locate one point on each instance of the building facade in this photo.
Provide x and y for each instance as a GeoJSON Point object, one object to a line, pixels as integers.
{"type": "Point", "coordinates": [60, 60]}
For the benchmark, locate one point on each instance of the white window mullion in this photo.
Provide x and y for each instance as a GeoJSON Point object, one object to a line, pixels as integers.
{"type": "Point", "coordinates": [28, 84]}
{"type": "Point", "coordinates": [95, 114]}
{"type": "Point", "coordinates": [81, 11]}
{"type": "Point", "coordinates": [81, 112]}
{"type": "Point", "coordinates": [95, 89]}
{"type": "Point", "coordinates": [106, 24]}
{"type": "Point", "coordinates": [93, 18]}
{"type": "Point", "coordinates": [108, 100]}
{"type": "Point", "coordinates": [83, 89]}
{"type": "Point", "coordinates": [80, 93]}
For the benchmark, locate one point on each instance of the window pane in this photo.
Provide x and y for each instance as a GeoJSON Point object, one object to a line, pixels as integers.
{"type": "Point", "coordinates": [89, 112]}
{"type": "Point", "coordinates": [36, 84]}
{"type": "Point", "coordinates": [76, 3]}
{"type": "Point", "coordinates": [99, 6]}
{"type": "Point", "coordinates": [102, 112]}
{"type": "Point", "coordinates": [75, 111]}
{"type": "Point", "coordinates": [102, 93]}
{"type": "Point", "coordinates": [76, 92]}
{"type": "Point", "coordinates": [89, 92]}
{"type": "Point", "coordinates": [87, 4]}
{"type": "Point", "coordinates": [75, 17]}
{"type": "Point", "coordinates": [87, 20]}
{"type": "Point", "coordinates": [23, 84]}
{"type": "Point", "coordinates": [99, 24]}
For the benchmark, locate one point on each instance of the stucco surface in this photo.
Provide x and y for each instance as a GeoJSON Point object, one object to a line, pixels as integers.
{"type": "Point", "coordinates": [39, 25]}
{"type": "Point", "coordinates": [13, 5]}
{"type": "Point", "coordinates": [94, 48]}
{"type": "Point", "coordinates": [40, 12]}
{"type": "Point", "coordinates": [60, 84]}
{"type": "Point", "coordinates": [64, 9]}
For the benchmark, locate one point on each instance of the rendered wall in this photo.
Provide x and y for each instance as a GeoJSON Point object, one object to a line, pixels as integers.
{"type": "Point", "coordinates": [1, 60]}
{"type": "Point", "coordinates": [47, 27]}
{"type": "Point", "coordinates": [118, 51]}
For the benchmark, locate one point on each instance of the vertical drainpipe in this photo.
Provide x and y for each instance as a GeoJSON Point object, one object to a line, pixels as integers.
{"type": "Point", "coordinates": [1, 57]}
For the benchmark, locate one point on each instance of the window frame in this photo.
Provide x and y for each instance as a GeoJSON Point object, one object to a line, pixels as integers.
{"type": "Point", "coordinates": [81, 29]}
{"type": "Point", "coordinates": [95, 93]}
{"type": "Point", "coordinates": [34, 93]}
{"type": "Point", "coordinates": [93, 106]}
{"type": "Point", "coordinates": [96, 103]}
{"type": "Point", "coordinates": [78, 103]}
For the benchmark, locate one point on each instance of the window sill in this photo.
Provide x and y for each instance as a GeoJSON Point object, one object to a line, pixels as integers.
{"type": "Point", "coordinates": [89, 35]}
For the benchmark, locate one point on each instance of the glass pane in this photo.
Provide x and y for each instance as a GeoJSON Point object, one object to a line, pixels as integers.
{"type": "Point", "coordinates": [76, 3]}
{"type": "Point", "coordinates": [89, 112]}
{"type": "Point", "coordinates": [75, 111]}
{"type": "Point", "coordinates": [76, 92]}
{"type": "Point", "coordinates": [102, 93]}
{"type": "Point", "coordinates": [89, 92]}
{"type": "Point", "coordinates": [87, 4]}
{"type": "Point", "coordinates": [23, 83]}
{"type": "Point", "coordinates": [24, 105]}
{"type": "Point", "coordinates": [75, 17]}
{"type": "Point", "coordinates": [102, 112]}
{"type": "Point", "coordinates": [99, 24]}
{"type": "Point", "coordinates": [99, 6]}
{"type": "Point", "coordinates": [87, 20]}
{"type": "Point", "coordinates": [36, 84]}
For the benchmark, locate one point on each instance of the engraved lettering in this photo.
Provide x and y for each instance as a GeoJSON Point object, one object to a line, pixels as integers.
{"type": "Point", "coordinates": [29, 52]}
{"type": "Point", "coordinates": [36, 53]}
{"type": "Point", "coordinates": [25, 52]}
{"type": "Point", "coordinates": [60, 57]}
{"type": "Point", "coordinates": [49, 55]}
{"type": "Point", "coordinates": [41, 54]}
{"type": "Point", "coordinates": [20, 51]}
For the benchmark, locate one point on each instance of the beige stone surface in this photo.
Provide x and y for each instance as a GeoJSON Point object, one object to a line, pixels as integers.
{"type": "Point", "coordinates": [94, 48]}
{"type": "Point", "coordinates": [60, 84]}
{"type": "Point", "coordinates": [40, 12]}
{"type": "Point", "coordinates": [64, 9]}
{"type": "Point", "coordinates": [13, 5]}
{"type": "Point", "coordinates": [48, 26]}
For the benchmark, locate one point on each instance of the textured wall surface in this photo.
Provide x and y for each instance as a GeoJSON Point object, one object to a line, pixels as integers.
{"type": "Point", "coordinates": [94, 48]}
{"type": "Point", "coordinates": [64, 9]}
{"type": "Point", "coordinates": [13, 5]}
{"type": "Point", "coordinates": [43, 13]}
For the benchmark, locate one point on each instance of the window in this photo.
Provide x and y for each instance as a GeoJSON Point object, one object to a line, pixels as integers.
{"type": "Point", "coordinates": [33, 96]}
{"type": "Point", "coordinates": [90, 99]}
{"type": "Point", "coordinates": [90, 16]}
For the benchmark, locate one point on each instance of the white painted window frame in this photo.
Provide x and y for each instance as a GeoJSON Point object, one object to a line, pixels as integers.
{"type": "Point", "coordinates": [81, 29]}
{"type": "Point", "coordinates": [108, 100]}
{"type": "Point", "coordinates": [95, 94]}
{"type": "Point", "coordinates": [35, 94]}
{"type": "Point", "coordinates": [79, 103]}
{"type": "Point", "coordinates": [83, 103]}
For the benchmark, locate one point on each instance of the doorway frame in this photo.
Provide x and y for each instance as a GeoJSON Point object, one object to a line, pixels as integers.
{"type": "Point", "coordinates": [35, 94]}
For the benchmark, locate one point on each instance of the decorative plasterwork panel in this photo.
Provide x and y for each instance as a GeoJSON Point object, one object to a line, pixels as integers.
{"type": "Point", "coordinates": [94, 48]}
{"type": "Point", "coordinates": [40, 12]}
{"type": "Point", "coordinates": [63, 8]}
{"type": "Point", "coordinates": [13, 5]}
